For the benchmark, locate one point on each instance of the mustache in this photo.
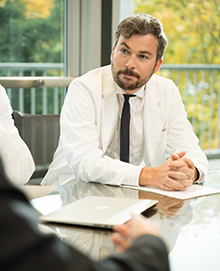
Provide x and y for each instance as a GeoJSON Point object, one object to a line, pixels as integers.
{"type": "Point", "coordinates": [129, 72]}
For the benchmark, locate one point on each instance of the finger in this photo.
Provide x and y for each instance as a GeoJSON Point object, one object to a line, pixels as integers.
{"type": "Point", "coordinates": [176, 185]}
{"type": "Point", "coordinates": [181, 154]}
{"type": "Point", "coordinates": [177, 164]}
{"type": "Point", "coordinates": [183, 184]}
{"type": "Point", "coordinates": [123, 229]}
{"type": "Point", "coordinates": [171, 185]}
{"type": "Point", "coordinates": [180, 175]}
{"type": "Point", "coordinates": [121, 242]}
{"type": "Point", "coordinates": [174, 156]}
{"type": "Point", "coordinates": [141, 226]}
{"type": "Point", "coordinates": [167, 188]}
{"type": "Point", "coordinates": [189, 162]}
{"type": "Point", "coordinates": [171, 211]}
{"type": "Point", "coordinates": [172, 202]}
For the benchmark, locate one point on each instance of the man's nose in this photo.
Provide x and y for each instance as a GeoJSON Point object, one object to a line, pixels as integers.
{"type": "Point", "coordinates": [131, 63]}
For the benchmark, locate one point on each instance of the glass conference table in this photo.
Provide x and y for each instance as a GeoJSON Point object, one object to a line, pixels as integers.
{"type": "Point", "coordinates": [191, 228]}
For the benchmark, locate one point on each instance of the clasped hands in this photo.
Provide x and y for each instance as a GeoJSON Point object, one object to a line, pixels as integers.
{"type": "Point", "coordinates": [177, 173]}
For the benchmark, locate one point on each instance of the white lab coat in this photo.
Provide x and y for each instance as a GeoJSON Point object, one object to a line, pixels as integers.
{"type": "Point", "coordinates": [88, 122]}
{"type": "Point", "coordinates": [16, 157]}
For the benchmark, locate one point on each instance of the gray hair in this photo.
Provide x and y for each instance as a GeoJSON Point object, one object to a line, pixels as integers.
{"type": "Point", "coordinates": [143, 24]}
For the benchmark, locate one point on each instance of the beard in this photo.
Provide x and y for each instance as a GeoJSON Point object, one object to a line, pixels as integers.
{"type": "Point", "coordinates": [124, 84]}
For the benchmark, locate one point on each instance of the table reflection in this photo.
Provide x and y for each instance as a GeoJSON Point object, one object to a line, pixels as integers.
{"type": "Point", "coordinates": [171, 213]}
{"type": "Point", "coordinates": [190, 227]}
{"type": "Point", "coordinates": [95, 243]}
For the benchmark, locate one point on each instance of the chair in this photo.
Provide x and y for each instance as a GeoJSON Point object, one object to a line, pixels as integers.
{"type": "Point", "coordinates": [41, 134]}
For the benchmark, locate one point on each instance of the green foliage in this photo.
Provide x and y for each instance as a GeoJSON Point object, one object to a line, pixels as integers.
{"type": "Point", "coordinates": [193, 32]}
{"type": "Point", "coordinates": [32, 31]}
{"type": "Point", "coordinates": [27, 39]}
{"type": "Point", "coordinates": [192, 28]}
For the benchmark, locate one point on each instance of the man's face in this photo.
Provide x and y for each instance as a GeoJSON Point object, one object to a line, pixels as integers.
{"type": "Point", "coordinates": [134, 61]}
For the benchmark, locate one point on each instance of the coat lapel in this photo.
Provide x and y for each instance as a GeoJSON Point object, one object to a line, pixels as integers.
{"type": "Point", "coordinates": [154, 119]}
{"type": "Point", "coordinates": [110, 107]}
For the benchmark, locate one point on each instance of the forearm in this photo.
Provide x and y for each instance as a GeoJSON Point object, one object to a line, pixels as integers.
{"type": "Point", "coordinates": [153, 176]}
{"type": "Point", "coordinates": [147, 176]}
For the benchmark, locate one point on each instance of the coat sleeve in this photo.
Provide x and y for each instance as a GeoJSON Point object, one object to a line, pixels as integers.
{"type": "Point", "coordinates": [182, 137]}
{"type": "Point", "coordinates": [26, 248]}
{"type": "Point", "coordinates": [170, 131]}
{"type": "Point", "coordinates": [17, 159]}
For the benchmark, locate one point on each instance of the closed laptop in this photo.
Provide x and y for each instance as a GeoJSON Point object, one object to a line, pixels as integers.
{"type": "Point", "coordinates": [104, 212]}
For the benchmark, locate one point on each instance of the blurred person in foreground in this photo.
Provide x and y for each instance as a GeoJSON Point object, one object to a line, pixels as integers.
{"type": "Point", "coordinates": [24, 247]}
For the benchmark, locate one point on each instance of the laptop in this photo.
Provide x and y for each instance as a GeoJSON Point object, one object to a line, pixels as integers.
{"type": "Point", "coordinates": [101, 212]}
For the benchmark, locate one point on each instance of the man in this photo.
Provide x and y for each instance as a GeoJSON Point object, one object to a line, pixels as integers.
{"type": "Point", "coordinates": [24, 247]}
{"type": "Point", "coordinates": [90, 143]}
{"type": "Point", "coordinates": [16, 157]}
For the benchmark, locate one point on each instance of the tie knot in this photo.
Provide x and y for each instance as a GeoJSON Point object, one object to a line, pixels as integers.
{"type": "Point", "coordinates": [127, 96]}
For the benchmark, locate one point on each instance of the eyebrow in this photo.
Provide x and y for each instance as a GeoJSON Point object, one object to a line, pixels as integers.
{"type": "Point", "coordinates": [141, 52]}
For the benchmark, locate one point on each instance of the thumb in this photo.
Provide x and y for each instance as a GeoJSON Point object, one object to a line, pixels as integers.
{"type": "Point", "coordinates": [181, 154]}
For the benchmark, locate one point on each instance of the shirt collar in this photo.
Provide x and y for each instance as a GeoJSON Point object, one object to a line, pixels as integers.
{"type": "Point", "coordinates": [139, 93]}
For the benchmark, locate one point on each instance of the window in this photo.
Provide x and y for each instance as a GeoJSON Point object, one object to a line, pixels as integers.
{"type": "Point", "coordinates": [32, 44]}
{"type": "Point", "coordinates": [192, 62]}
{"type": "Point", "coordinates": [45, 44]}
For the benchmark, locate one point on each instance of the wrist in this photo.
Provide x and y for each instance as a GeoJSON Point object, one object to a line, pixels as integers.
{"type": "Point", "coordinates": [146, 176]}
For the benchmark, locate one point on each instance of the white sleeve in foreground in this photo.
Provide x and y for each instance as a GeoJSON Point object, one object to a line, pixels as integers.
{"type": "Point", "coordinates": [16, 157]}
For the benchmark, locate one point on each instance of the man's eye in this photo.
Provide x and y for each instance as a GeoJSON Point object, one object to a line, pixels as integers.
{"type": "Point", "coordinates": [124, 51]}
{"type": "Point", "coordinates": [143, 57]}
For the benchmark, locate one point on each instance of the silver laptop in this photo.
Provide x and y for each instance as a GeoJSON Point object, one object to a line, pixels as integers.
{"type": "Point", "coordinates": [104, 212]}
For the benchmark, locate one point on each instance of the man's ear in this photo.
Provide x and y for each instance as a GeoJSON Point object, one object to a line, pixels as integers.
{"type": "Point", "coordinates": [113, 49]}
{"type": "Point", "coordinates": [158, 64]}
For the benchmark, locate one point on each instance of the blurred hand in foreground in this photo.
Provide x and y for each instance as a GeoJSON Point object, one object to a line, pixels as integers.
{"type": "Point", "coordinates": [125, 234]}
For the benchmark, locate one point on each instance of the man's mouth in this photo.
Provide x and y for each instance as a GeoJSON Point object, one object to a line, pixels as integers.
{"type": "Point", "coordinates": [129, 73]}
